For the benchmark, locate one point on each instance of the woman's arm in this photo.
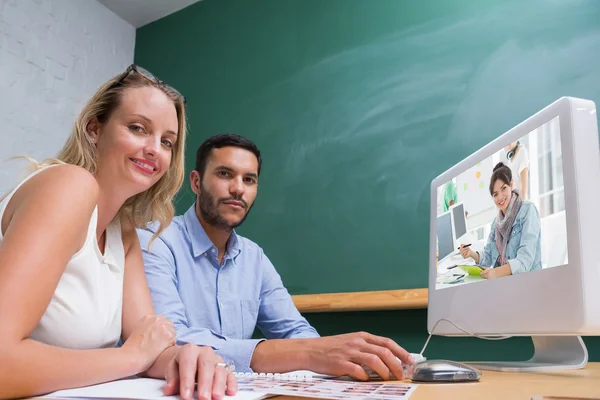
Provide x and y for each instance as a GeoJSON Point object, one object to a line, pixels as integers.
{"type": "Point", "coordinates": [530, 235]}
{"type": "Point", "coordinates": [498, 272]}
{"type": "Point", "coordinates": [524, 260]}
{"type": "Point", "coordinates": [180, 366]}
{"type": "Point", "coordinates": [524, 177]}
{"type": "Point", "coordinates": [44, 225]}
{"type": "Point", "coordinates": [136, 297]}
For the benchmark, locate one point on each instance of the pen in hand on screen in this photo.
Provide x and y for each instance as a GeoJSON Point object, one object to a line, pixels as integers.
{"type": "Point", "coordinates": [462, 246]}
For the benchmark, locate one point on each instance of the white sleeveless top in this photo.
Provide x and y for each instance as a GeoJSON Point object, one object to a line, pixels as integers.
{"type": "Point", "coordinates": [85, 310]}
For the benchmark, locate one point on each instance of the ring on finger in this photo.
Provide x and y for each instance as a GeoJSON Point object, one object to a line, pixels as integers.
{"type": "Point", "coordinates": [229, 367]}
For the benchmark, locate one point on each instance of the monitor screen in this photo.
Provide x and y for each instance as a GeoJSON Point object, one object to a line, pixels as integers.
{"type": "Point", "coordinates": [460, 223]}
{"type": "Point", "coordinates": [444, 234]}
{"type": "Point", "coordinates": [509, 209]}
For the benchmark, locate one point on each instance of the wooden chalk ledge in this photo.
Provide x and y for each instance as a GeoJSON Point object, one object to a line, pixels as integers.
{"type": "Point", "coordinates": [362, 301]}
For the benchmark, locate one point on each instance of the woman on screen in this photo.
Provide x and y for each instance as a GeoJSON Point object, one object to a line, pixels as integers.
{"type": "Point", "coordinates": [72, 281]}
{"type": "Point", "coordinates": [514, 243]}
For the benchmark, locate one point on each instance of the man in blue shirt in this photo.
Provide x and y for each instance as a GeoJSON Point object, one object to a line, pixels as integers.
{"type": "Point", "coordinates": [217, 286]}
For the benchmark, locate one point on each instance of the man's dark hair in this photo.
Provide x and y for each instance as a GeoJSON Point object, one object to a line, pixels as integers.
{"type": "Point", "coordinates": [501, 171]}
{"type": "Point", "coordinates": [224, 140]}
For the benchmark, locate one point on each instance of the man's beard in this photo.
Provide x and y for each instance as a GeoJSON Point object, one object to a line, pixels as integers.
{"type": "Point", "coordinates": [209, 210]}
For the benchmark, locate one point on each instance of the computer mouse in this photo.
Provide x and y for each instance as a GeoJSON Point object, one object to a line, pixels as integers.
{"type": "Point", "coordinates": [417, 358]}
{"type": "Point", "coordinates": [443, 371]}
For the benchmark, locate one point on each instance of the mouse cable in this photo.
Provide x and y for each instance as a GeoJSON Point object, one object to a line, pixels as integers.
{"type": "Point", "coordinates": [462, 330]}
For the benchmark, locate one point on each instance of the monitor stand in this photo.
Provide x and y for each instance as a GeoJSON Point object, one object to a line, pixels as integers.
{"type": "Point", "coordinates": [551, 353]}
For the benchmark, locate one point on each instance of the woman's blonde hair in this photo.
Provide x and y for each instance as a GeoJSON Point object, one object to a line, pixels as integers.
{"type": "Point", "coordinates": [154, 204]}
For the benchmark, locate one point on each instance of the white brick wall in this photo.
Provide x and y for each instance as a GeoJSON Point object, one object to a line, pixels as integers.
{"type": "Point", "coordinates": [53, 56]}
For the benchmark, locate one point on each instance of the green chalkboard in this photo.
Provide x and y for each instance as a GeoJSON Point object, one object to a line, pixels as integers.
{"type": "Point", "coordinates": [357, 105]}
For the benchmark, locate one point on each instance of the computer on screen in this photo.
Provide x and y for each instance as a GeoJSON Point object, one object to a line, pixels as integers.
{"type": "Point", "coordinates": [444, 235]}
{"type": "Point", "coordinates": [459, 221]}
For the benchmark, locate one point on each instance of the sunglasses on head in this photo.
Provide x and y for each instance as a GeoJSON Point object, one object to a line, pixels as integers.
{"type": "Point", "coordinates": [144, 73]}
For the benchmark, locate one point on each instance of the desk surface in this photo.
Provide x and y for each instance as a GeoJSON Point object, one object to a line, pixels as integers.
{"type": "Point", "coordinates": [458, 273]}
{"type": "Point", "coordinates": [512, 386]}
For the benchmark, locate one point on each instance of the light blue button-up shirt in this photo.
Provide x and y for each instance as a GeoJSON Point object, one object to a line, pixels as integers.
{"type": "Point", "coordinates": [218, 305]}
{"type": "Point", "coordinates": [524, 247]}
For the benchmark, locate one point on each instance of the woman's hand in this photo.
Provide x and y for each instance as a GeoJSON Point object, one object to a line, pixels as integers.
{"type": "Point", "coordinates": [467, 252]}
{"type": "Point", "coordinates": [489, 273]}
{"type": "Point", "coordinates": [498, 272]}
{"type": "Point", "coordinates": [150, 338]}
{"type": "Point", "coordinates": [193, 363]}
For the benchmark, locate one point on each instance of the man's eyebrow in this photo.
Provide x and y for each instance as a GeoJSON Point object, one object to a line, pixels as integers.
{"type": "Point", "coordinates": [168, 132]}
{"type": "Point", "coordinates": [229, 169]}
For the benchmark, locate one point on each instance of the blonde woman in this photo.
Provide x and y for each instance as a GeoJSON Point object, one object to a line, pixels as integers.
{"type": "Point", "coordinates": [72, 280]}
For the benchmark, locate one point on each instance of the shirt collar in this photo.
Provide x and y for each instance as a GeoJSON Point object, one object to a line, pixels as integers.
{"type": "Point", "coordinates": [201, 243]}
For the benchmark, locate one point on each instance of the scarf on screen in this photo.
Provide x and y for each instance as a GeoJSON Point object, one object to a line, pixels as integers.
{"type": "Point", "coordinates": [504, 225]}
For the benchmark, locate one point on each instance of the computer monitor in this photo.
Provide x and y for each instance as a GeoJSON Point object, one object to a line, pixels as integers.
{"type": "Point", "coordinates": [444, 235]}
{"type": "Point", "coordinates": [459, 221]}
{"type": "Point", "coordinates": [536, 239]}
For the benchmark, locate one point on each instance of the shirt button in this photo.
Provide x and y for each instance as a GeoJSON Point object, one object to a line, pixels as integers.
{"type": "Point", "coordinates": [213, 250]}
